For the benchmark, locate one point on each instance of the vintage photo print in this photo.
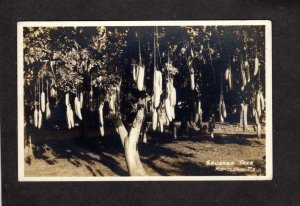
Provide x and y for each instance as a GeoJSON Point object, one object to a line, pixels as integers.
{"type": "Point", "coordinates": [144, 100]}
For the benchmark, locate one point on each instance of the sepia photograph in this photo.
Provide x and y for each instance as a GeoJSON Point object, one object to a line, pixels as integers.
{"type": "Point", "coordinates": [144, 100]}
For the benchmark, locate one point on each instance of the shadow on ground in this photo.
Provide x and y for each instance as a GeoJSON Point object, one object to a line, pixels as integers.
{"type": "Point", "coordinates": [109, 152]}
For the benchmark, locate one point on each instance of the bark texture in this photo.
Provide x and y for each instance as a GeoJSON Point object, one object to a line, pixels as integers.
{"type": "Point", "coordinates": [130, 141]}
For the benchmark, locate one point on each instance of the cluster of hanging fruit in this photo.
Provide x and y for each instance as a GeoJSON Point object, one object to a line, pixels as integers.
{"type": "Point", "coordinates": [40, 105]}
{"type": "Point", "coordinates": [163, 111]}
{"type": "Point", "coordinates": [245, 72]}
{"type": "Point", "coordinates": [78, 103]}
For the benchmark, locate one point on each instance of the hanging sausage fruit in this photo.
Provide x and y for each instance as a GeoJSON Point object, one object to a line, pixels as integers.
{"type": "Point", "coordinates": [101, 120]}
{"type": "Point", "coordinates": [224, 112]}
{"type": "Point", "coordinates": [221, 115]}
{"type": "Point", "coordinates": [77, 106]}
{"type": "Point", "coordinates": [40, 116]}
{"type": "Point", "coordinates": [140, 77]}
{"type": "Point", "coordinates": [81, 99]}
{"type": "Point", "coordinates": [258, 104]}
{"type": "Point", "coordinates": [69, 112]}
{"type": "Point", "coordinates": [262, 101]}
{"type": "Point", "coordinates": [67, 99]}
{"type": "Point", "coordinates": [48, 111]}
{"type": "Point", "coordinates": [192, 76]}
{"type": "Point", "coordinates": [157, 87]}
{"type": "Point", "coordinates": [243, 76]}
{"type": "Point", "coordinates": [170, 102]}
{"type": "Point", "coordinates": [228, 76]}
{"type": "Point", "coordinates": [222, 108]}
{"type": "Point", "coordinates": [256, 65]}
{"type": "Point", "coordinates": [247, 70]}
{"type": "Point", "coordinates": [134, 72]}
{"type": "Point", "coordinates": [157, 77]}
{"type": "Point", "coordinates": [36, 113]}
{"type": "Point", "coordinates": [69, 117]}
{"type": "Point", "coordinates": [168, 109]}
{"type": "Point", "coordinates": [141, 69]}
{"type": "Point", "coordinates": [160, 120]}
{"type": "Point", "coordinates": [154, 120]}
{"type": "Point", "coordinates": [171, 91]}
{"type": "Point", "coordinates": [112, 102]}
{"type": "Point", "coordinates": [43, 97]}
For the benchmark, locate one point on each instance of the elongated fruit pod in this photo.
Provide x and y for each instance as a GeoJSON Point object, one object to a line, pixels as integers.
{"type": "Point", "coordinates": [161, 124]}
{"type": "Point", "coordinates": [167, 122]}
{"type": "Point", "coordinates": [159, 81]}
{"type": "Point", "coordinates": [156, 96]}
{"type": "Point", "coordinates": [262, 101]}
{"type": "Point", "coordinates": [48, 111]}
{"type": "Point", "coordinates": [173, 96]}
{"type": "Point", "coordinates": [154, 120]}
{"type": "Point", "coordinates": [75, 105]}
{"type": "Point", "coordinates": [244, 78]}
{"type": "Point", "coordinates": [230, 80]}
{"type": "Point", "coordinates": [36, 117]}
{"type": "Point", "coordinates": [227, 74]}
{"type": "Point", "coordinates": [168, 109]}
{"type": "Point", "coordinates": [173, 112]}
{"type": "Point", "coordinates": [101, 121]}
{"type": "Point", "coordinates": [220, 112]}
{"type": "Point", "coordinates": [224, 112]}
{"type": "Point", "coordinates": [221, 118]}
{"type": "Point", "coordinates": [81, 99]}
{"type": "Point", "coordinates": [68, 117]}
{"type": "Point", "coordinates": [140, 77]}
{"type": "Point", "coordinates": [40, 119]}
{"type": "Point", "coordinates": [192, 81]}
{"type": "Point", "coordinates": [247, 71]}
{"type": "Point", "coordinates": [199, 110]}
{"type": "Point", "coordinates": [258, 106]}
{"type": "Point", "coordinates": [256, 65]}
{"type": "Point", "coordinates": [78, 108]}
{"type": "Point", "coordinates": [67, 99]}
{"type": "Point", "coordinates": [72, 118]}
{"type": "Point", "coordinates": [43, 99]}
{"type": "Point", "coordinates": [196, 118]}
{"type": "Point", "coordinates": [256, 117]}
{"type": "Point", "coordinates": [135, 72]}
{"type": "Point", "coordinates": [101, 129]}
{"type": "Point", "coordinates": [246, 63]}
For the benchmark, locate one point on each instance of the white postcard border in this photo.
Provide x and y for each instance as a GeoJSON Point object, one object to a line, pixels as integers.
{"type": "Point", "coordinates": [269, 121]}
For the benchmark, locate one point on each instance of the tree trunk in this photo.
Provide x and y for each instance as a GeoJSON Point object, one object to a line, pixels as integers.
{"type": "Point", "coordinates": [130, 141]}
{"type": "Point", "coordinates": [258, 130]}
{"type": "Point", "coordinates": [132, 156]}
{"type": "Point", "coordinates": [245, 115]}
{"type": "Point", "coordinates": [242, 115]}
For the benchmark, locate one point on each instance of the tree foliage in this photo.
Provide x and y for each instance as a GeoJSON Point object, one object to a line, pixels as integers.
{"type": "Point", "coordinates": [99, 59]}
